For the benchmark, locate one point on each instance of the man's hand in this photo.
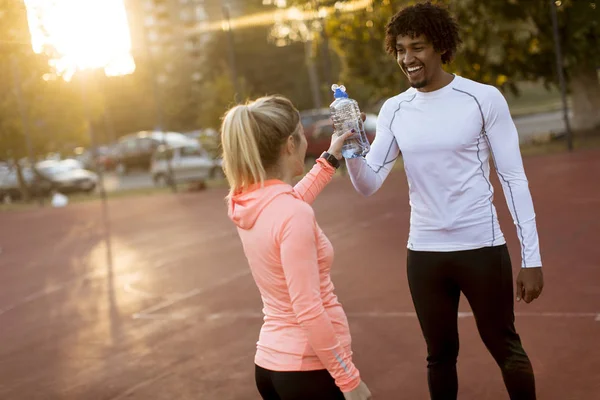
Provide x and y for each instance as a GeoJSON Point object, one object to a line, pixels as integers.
{"type": "Point", "coordinates": [530, 283]}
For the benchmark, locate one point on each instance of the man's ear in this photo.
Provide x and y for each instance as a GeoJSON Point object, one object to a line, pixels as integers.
{"type": "Point", "coordinates": [446, 54]}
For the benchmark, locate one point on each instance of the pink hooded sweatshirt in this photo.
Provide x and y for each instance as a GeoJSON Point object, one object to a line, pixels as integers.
{"type": "Point", "coordinates": [305, 327]}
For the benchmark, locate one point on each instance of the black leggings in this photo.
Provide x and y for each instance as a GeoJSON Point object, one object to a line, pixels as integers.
{"type": "Point", "coordinates": [484, 275]}
{"type": "Point", "coordinates": [296, 385]}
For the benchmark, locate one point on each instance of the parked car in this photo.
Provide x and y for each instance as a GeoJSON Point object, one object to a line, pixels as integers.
{"type": "Point", "coordinates": [188, 163]}
{"type": "Point", "coordinates": [135, 151]}
{"type": "Point", "coordinates": [67, 176]}
{"type": "Point", "coordinates": [309, 117]}
{"type": "Point", "coordinates": [105, 160]}
{"type": "Point", "coordinates": [10, 188]}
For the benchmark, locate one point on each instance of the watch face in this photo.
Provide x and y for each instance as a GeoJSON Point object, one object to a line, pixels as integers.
{"type": "Point", "coordinates": [332, 160]}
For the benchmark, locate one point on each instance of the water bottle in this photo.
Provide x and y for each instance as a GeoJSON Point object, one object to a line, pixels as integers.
{"type": "Point", "coordinates": [345, 114]}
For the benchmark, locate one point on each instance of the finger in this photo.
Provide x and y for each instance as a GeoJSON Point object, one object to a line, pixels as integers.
{"type": "Point", "coordinates": [519, 289]}
{"type": "Point", "coordinates": [529, 295]}
{"type": "Point", "coordinates": [345, 135]}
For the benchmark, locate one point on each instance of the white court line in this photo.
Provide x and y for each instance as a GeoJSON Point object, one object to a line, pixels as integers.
{"type": "Point", "coordinates": [98, 273]}
{"type": "Point", "coordinates": [409, 314]}
{"type": "Point", "coordinates": [469, 314]}
{"type": "Point", "coordinates": [47, 291]}
{"type": "Point", "coordinates": [337, 231]}
{"type": "Point", "coordinates": [148, 313]}
{"type": "Point", "coordinates": [129, 288]}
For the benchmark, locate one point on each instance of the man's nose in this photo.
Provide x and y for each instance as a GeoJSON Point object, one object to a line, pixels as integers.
{"type": "Point", "coordinates": [408, 58]}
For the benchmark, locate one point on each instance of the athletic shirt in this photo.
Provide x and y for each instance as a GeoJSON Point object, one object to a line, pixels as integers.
{"type": "Point", "coordinates": [305, 327]}
{"type": "Point", "coordinates": [447, 138]}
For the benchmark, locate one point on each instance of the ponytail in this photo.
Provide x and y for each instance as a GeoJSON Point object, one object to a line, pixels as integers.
{"type": "Point", "coordinates": [252, 136]}
{"type": "Point", "coordinates": [241, 155]}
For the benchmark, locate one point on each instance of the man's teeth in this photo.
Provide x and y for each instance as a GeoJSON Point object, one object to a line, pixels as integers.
{"type": "Point", "coordinates": [414, 69]}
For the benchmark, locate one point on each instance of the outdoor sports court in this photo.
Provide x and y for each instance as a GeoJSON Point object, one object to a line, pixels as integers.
{"type": "Point", "coordinates": [170, 311]}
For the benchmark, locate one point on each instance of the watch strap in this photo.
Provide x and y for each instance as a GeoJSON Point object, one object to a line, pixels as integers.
{"type": "Point", "coordinates": [330, 158]}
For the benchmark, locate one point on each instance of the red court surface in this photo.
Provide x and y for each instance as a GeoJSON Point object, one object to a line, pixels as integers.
{"type": "Point", "coordinates": [176, 314]}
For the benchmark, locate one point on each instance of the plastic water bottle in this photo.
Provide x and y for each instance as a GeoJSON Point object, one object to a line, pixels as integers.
{"type": "Point", "coordinates": [345, 114]}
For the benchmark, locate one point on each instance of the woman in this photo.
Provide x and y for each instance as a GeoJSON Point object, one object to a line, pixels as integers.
{"type": "Point", "coordinates": [303, 351]}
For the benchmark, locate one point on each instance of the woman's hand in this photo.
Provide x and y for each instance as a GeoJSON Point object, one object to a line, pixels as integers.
{"type": "Point", "coordinates": [337, 141]}
{"type": "Point", "coordinates": [362, 392]}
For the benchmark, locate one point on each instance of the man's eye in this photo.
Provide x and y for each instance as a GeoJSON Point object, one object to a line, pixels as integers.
{"type": "Point", "coordinates": [418, 48]}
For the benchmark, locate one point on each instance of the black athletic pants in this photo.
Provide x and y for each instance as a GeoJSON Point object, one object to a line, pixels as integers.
{"type": "Point", "coordinates": [296, 385]}
{"type": "Point", "coordinates": [484, 275]}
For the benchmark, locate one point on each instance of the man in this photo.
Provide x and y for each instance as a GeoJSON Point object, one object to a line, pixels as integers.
{"type": "Point", "coordinates": [447, 129]}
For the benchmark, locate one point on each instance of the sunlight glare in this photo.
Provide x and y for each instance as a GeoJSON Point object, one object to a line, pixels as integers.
{"type": "Point", "coordinates": [86, 34]}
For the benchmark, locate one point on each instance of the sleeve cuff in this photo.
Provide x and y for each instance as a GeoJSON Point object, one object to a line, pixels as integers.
{"type": "Point", "coordinates": [326, 166]}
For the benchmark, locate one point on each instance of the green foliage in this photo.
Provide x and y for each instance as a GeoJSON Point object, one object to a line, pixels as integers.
{"type": "Point", "coordinates": [50, 107]}
{"type": "Point", "coordinates": [505, 41]}
{"type": "Point", "coordinates": [219, 96]}
{"type": "Point", "coordinates": [368, 72]}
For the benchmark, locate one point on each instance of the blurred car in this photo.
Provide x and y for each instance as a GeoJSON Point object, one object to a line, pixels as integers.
{"type": "Point", "coordinates": [188, 163]}
{"type": "Point", "coordinates": [309, 117]}
{"type": "Point", "coordinates": [105, 160]}
{"type": "Point", "coordinates": [135, 151]}
{"type": "Point", "coordinates": [319, 135]}
{"type": "Point", "coordinates": [67, 176]}
{"type": "Point", "coordinates": [10, 188]}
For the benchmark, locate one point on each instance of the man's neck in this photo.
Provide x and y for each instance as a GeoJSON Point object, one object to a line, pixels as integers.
{"type": "Point", "coordinates": [441, 79]}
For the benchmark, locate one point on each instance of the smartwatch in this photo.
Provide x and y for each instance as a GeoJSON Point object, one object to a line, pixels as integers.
{"type": "Point", "coordinates": [330, 158]}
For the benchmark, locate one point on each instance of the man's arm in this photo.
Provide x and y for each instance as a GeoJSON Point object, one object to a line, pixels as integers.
{"type": "Point", "coordinates": [368, 173]}
{"type": "Point", "coordinates": [503, 141]}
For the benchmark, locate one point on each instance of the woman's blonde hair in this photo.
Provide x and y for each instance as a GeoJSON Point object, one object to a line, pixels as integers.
{"type": "Point", "coordinates": [252, 135]}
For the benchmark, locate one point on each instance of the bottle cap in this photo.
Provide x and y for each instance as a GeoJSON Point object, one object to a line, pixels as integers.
{"type": "Point", "coordinates": [339, 91]}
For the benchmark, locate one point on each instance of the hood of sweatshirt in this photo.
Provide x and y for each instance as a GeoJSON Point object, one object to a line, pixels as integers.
{"type": "Point", "coordinates": [244, 208]}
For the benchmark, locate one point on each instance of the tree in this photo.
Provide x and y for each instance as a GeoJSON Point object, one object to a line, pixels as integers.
{"type": "Point", "coordinates": [20, 75]}
{"type": "Point", "coordinates": [18, 65]}
{"type": "Point", "coordinates": [39, 112]}
{"type": "Point", "coordinates": [262, 66]}
{"type": "Point", "coordinates": [504, 42]}
{"type": "Point", "coordinates": [222, 94]}
{"type": "Point", "coordinates": [579, 27]}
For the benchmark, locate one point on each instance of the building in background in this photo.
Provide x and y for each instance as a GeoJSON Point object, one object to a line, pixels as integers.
{"type": "Point", "coordinates": [161, 34]}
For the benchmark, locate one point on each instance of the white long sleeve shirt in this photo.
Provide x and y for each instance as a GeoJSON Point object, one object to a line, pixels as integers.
{"type": "Point", "coordinates": [446, 138]}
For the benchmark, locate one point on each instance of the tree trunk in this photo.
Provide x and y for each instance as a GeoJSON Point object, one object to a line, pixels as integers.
{"type": "Point", "coordinates": [25, 195]}
{"type": "Point", "coordinates": [312, 73]}
{"type": "Point", "coordinates": [585, 97]}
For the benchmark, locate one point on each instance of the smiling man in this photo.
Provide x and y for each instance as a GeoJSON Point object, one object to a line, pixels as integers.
{"type": "Point", "coordinates": [448, 129]}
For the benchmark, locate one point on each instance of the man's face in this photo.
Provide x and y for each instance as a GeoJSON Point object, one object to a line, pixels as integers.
{"type": "Point", "coordinates": [418, 60]}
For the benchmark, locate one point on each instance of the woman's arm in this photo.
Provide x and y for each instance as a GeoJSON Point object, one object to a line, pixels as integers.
{"type": "Point", "coordinates": [315, 181]}
{"type": "Point", "coordinates": [321, 173]}
{"type": "Point", "coordinates": [298, 246]}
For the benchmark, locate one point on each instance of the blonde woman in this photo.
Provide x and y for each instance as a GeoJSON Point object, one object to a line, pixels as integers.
{"type": "Point", "coordinates": [304, 347]}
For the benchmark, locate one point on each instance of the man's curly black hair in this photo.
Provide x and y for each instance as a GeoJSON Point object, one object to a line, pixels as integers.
{"type": "Point", "coordinates": [425, 18]}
